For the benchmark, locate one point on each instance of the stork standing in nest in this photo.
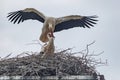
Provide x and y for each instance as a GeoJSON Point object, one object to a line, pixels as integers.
{"type": "Point", "coordinates": [52, 24]}
{"type": "Point", "coordinates": [48, 48]}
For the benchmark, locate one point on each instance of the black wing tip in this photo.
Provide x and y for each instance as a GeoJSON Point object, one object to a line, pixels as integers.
{"type": "Point", "coordinates": [89, 21]}
{"type": "Point", "coordinates": [12, 15]}
{"type": "Point", "coordinates": [93, 18]}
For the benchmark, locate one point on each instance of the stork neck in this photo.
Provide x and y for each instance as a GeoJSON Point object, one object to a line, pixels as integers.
{"type": "Point", "coordinates": [51, 41]}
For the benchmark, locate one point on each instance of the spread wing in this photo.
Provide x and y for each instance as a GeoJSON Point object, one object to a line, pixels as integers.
{"type": "Point", "coordinates": [72, 21]}
{"type": "Point", "coordinates": [28, 13]}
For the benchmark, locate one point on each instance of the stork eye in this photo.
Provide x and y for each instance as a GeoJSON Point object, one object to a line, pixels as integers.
{"type": "Point", "coordinates": [49, 34]}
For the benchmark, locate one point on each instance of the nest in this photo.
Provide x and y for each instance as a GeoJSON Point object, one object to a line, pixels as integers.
{"type": "Point", "coordinates": [63, 62]}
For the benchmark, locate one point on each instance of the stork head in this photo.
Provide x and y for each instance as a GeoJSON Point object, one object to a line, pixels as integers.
{"type": "Point", "coordinates": [50, 35]}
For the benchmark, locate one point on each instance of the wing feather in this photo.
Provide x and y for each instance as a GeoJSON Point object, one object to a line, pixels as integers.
{"type": "Point", "coordinates": [26, 14]}
{"type": "Point", "coordinates": [16, 19]}
{"type": "Point", "coordinates": [87, 22]}
{"type": "Point", "coordinates": [72, 21]}
{"type": "Point", "coordinates": [20, 19]}
{"type": "Point", "coordinates": [12, 15]}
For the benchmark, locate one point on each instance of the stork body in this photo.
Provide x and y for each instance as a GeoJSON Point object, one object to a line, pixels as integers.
{"type": "Point", "coordinates": [48, 26]}
{"type": "Point", "coordinates": [51, 24]}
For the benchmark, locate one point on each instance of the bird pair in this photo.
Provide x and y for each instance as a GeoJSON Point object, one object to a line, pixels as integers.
{"type": "Point", "coordinates": [51, 24]}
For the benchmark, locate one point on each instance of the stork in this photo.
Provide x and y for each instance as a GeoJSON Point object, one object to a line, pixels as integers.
{"type": "Point", "coordinates": [52, 24]}
{"type": "Point", "coordinates": [48, 48]}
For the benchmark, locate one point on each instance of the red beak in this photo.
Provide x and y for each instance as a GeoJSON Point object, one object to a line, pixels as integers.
{"type": "Point", "coordinates": [52, 35]}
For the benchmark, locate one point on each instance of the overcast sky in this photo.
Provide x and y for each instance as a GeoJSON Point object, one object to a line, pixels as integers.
{"type": "Point", "coordinates": [15, 37]}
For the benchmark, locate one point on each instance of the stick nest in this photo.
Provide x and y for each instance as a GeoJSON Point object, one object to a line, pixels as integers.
{"type": "Point", "coordinates": [63, 62]}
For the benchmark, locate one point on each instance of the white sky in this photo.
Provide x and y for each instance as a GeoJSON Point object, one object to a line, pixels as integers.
{"type": "Point", "coordinates": [14, 37]}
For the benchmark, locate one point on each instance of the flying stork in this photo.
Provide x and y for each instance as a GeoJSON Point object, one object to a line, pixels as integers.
{"type": "Point", "coordinates": [52, 24]}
